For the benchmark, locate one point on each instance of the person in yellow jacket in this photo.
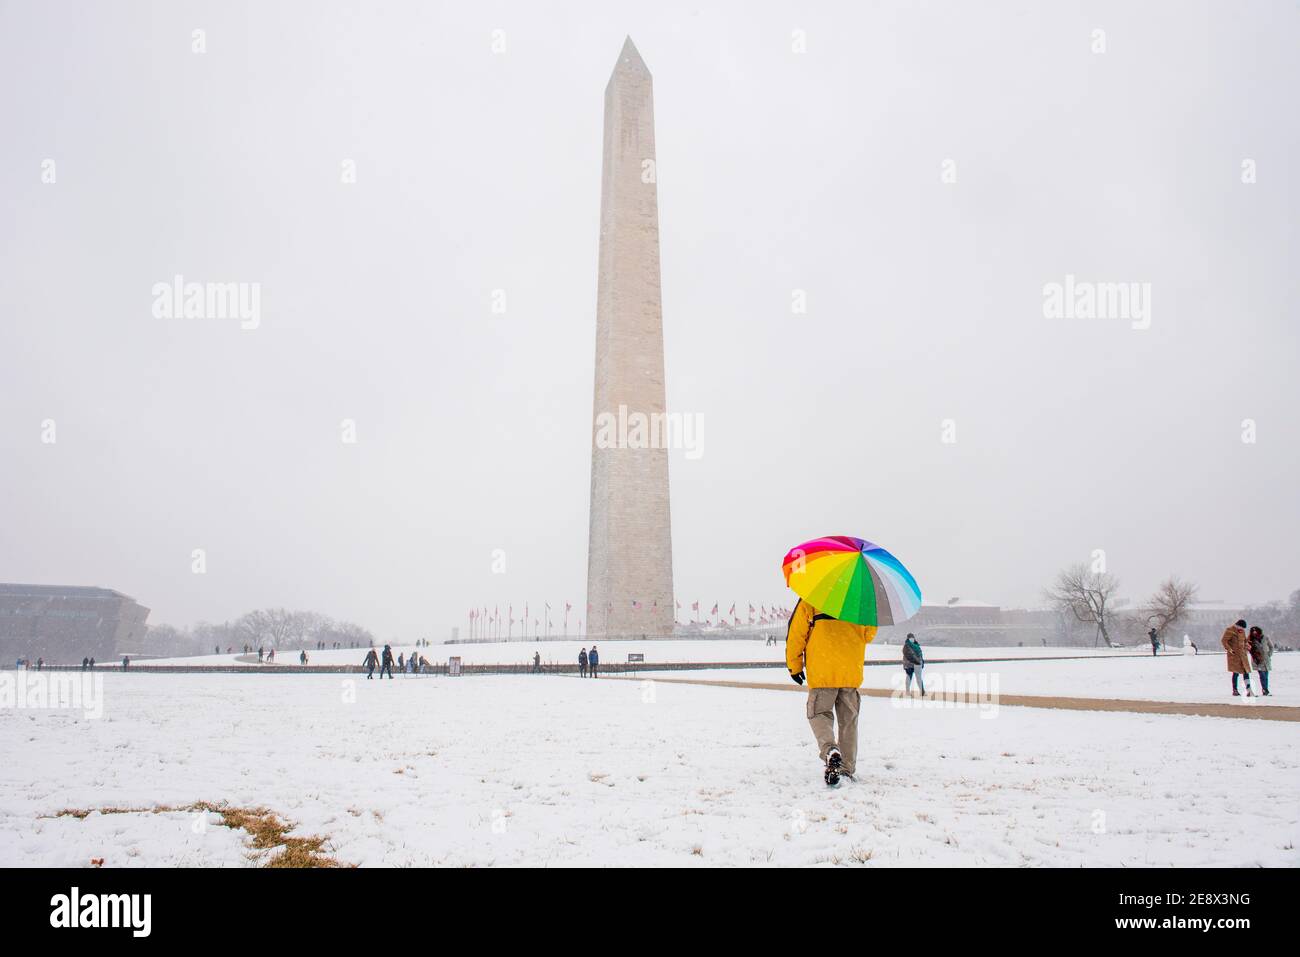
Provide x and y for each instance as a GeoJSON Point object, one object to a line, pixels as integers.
{"type": "Point", "coordinates": [828, 653]}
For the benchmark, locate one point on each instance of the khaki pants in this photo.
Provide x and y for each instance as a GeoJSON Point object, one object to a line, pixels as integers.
{"type": "Point", "coordinates": [825, 706]}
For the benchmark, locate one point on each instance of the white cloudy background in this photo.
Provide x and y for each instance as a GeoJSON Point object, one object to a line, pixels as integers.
{"type": "Point", "coordinates": [777, 171]}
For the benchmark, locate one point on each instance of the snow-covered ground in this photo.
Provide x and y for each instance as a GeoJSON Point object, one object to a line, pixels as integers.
{"type": "Point", "coordinates": [1116, 673]}
{"type": "Point", "coordinates": [678, 650]}
{"type": "Point", "coordinates": [1197, 678]}
{"type": "Point", "coordinates": [553, 770]}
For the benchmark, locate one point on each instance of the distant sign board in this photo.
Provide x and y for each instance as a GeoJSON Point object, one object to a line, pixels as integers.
{"type": "Point", "coordinates": [453, 667]}
{"type": "Point", "coordinates": [632, 657]}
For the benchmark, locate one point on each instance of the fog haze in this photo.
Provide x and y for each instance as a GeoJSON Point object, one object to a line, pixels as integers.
{"type": "Point", "coordinates": [479, 170]}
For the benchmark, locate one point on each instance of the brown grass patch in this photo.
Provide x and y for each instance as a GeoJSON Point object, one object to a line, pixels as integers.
{"type": "Point", "coordinates": [263, 825]}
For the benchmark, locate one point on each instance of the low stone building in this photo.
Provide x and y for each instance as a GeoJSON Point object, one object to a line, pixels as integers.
{"type": "Point", "coordinates": [66, 623]}
{"type": "Point", "coordinates": [969, 623]}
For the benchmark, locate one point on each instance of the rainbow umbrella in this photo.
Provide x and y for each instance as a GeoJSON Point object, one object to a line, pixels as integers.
{"type": "Point", "coordinates": [851, 579]}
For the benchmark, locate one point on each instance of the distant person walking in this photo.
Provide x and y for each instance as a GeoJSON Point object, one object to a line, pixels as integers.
{"type": "Point", "coordinates": [1234, 643]}
{"type": "Point", "coordinates": [302, 657]}
{"type": "Point", "coordinates": [40, 663]}
{"type": "Point", "coordinates": [386, 663]}
{"type": "Point", "coordinates": [537, 662]}
{"type": "Point", "coordinates": [1155, 641]}
{"type": "Point", "coordinates": [582, 663]}
{"type": "Point", "coordinates": [1261, 656]}
{"type": "Point", "coordinates": [914, 663]}
{"type": "Point", "coordinates": [85, 663]}
{"type": "Point", "coordinates": [371, 662]}
{"type": "Point", "coordinates": [593, 659]}
{"type": "Point", "coordinates": [126, 662]}
{"type": "Point", "coordinates": [261, 654]}
{"type": "Point", "coordinates": [828, 653]}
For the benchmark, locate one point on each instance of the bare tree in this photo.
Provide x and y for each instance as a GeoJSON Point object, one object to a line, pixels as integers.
{"type": "Point", "coordinates": [280, 628]}
{"type": "Point", "coordinates": [1281, 620]}
{"type": "Point", "coordinates": [346, 634]}
{"type": "Point", "coordinates": [1169, 604]}
{"type": "Point", "coordinates": [215, 636]}
{"type": "Point", "coordinates": [169, 641]}
{"type": "Point", "coordinates": [266, 627]}
{"type": "Point", "coordinates": [1088, 596]}
{"type": "Point", "coordinates": [275, 627]}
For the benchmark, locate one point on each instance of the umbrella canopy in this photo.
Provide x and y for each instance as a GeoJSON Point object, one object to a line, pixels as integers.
{"type": "Point", "coordinates": [853, 580]}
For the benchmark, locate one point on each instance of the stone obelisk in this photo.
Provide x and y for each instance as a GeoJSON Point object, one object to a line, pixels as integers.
{"type": "Point", "coordinates": [629, 557]}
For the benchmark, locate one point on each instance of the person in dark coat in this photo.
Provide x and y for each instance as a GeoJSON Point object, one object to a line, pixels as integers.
{"type": "Point", "coordinates": [126, 662]}
{"type": "Point", "coordinates": [85, 663]}
{"type": "Point", "coordinates": [1155, 641]}
{"type": "Point", "coordinates": [371, 661]}
{"type": "Point", "coordinates": [914, 663]}
{"type": "Point", "coordinates": [537, 661]}
{"type": "Point", "coordinates": [1261, 655]}
{"type": "Point", "coordinates": [582, 663]}
{"type": "Point", "coordinates": [386, 663]}
{"type": "Point", "coordinates": [593, 659]}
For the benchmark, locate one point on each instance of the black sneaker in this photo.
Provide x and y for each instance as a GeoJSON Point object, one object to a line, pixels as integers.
{"type": "Point", "coordinates": [833, 763]}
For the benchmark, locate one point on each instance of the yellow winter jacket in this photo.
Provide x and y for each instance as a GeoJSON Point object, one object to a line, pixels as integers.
{"type": "Point", "coordinates": [829, 650]}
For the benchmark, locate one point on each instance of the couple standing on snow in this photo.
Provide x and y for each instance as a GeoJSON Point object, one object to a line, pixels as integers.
{"type": "Point", "coordinates": [1244, 649]}
{"type": "Point", "coordinates": [384, 663]}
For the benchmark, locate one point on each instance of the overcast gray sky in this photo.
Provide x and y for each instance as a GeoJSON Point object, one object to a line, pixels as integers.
{"type": "Point", "coordinates": [778, 170]}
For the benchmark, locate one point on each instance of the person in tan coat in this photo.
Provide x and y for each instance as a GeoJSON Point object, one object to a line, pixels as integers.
{"type": "Point", "coordinates": [829, 653]}
{"type": "Point", "coordinates": [1234, 643]}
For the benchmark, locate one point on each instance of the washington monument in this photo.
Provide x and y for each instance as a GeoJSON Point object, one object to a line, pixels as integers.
{"type": "Point", "coordinates": [630, 553]}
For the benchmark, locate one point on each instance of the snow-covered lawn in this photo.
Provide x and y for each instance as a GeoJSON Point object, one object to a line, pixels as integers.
{"type": "Point", "coordinates": [551, 770]}
{"type": "Point", "coordinates": [680, 650]}
{"type": "Point", "coordinates": [1197, 678]}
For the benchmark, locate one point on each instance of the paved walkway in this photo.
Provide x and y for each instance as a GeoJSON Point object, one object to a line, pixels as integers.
{"type": "Point", "coordinates": [1245, 708]}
